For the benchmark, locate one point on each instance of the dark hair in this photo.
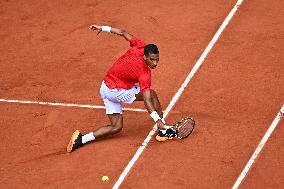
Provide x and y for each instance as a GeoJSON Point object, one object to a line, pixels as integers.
{"type": "Point", "coordinates": [151, 48]}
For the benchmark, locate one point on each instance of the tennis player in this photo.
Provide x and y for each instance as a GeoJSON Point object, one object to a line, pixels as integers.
{"type": "Point", "coordinates": [128, 80]}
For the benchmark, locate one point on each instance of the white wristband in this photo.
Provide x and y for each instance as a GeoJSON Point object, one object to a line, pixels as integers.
{"type": "Point", "coordinates": [155, 116]}
{"type": "Point", "coordinates": [106, 28]}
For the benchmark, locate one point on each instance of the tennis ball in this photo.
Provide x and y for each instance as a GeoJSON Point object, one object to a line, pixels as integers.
{"type": "Point", "coordinates": [105, 179]}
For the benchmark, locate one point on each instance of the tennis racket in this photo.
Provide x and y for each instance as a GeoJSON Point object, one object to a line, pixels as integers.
{"type": "Point", "coordinates": [184, 127]}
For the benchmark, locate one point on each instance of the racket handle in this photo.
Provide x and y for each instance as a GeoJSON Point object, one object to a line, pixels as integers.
{"type": "Point", "coordinates": [168, 126]}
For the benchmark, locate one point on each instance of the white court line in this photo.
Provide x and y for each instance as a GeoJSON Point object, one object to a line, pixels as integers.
{"type": "Point", "coordinates": [66, 105]}
{"type": "Point", "coordinates": [259, 148]}
{"type": "Point", "coordinates": [178, 94]}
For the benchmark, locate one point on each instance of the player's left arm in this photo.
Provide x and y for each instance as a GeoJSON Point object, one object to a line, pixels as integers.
{"type": "Point", "coordinates": [117, 31]}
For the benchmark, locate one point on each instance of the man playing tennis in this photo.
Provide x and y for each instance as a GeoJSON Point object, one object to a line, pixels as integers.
{"type": "Point", "coordinates": [128, 80]}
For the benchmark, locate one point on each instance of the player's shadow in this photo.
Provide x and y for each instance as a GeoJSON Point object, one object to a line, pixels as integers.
{"type": "Point", "coordinates": [58, 152]}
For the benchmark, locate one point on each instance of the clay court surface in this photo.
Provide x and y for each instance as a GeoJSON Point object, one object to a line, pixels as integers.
{"type": "Point", "coordinates": [47, 54]}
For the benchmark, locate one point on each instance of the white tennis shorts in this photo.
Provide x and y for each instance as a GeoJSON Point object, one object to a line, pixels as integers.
{"type": "Point", "coordinates": [113, 98]}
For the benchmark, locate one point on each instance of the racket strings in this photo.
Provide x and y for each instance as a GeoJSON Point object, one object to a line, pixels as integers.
{"type": "Point", "coordinates": [181, 129]}
{"type": "Point", "coordinates": [185, 127]}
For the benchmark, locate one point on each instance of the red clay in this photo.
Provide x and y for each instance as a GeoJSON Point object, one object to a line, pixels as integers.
{"type": "Point", "coordinates": [48, 54]}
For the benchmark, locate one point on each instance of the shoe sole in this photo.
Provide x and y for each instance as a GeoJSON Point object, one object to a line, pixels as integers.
{"type": "Point", "coordinates": [162, 139]}
{"type": "Point", "coordinates": [72, 141]}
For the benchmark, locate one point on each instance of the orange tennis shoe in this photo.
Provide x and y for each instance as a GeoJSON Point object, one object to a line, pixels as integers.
{"type": "Point", "coordinates": [75, 141]}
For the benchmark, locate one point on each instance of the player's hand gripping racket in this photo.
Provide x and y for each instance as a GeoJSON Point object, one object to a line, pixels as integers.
{"type": "Point", "coordinates": [181, 130]}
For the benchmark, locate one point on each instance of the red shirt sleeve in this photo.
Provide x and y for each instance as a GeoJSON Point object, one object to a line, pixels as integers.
{"type": "Point", "coordinates": [145, 82]}
{"type": "Point", "coordinates": [137, 42]}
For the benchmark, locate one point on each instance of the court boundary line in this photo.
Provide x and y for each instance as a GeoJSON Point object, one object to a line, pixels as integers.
{"type": "Point", "coordinates": [66, 105]}
{"type": "Point", "coordinates": [259, 148]}
{"type": "Point", "coordinates": [178, 94]}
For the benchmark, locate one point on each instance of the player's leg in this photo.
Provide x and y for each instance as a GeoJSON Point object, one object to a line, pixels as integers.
{"type": "Point", "coordinates": [77, 140]}
{"type": "Point", "coordinates": [115, 126]}
{"type": "Point", "coordinates": [114, 112]}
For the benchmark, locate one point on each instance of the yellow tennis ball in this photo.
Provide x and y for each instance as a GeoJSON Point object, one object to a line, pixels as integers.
{"type": "Point", "coordinates": [105, 179]}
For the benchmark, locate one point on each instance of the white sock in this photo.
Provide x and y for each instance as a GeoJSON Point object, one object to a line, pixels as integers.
{"type": "Point", "coordinates": [88, 137]}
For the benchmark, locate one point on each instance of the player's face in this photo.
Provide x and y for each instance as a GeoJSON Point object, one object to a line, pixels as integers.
{"type": "Point", "coordinates": [152, 60]}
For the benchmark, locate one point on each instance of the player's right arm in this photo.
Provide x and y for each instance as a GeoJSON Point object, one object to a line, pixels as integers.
{"type": "Point", "coordinates": [117, 31]}
{"type": "Point", "coordinates": [150, 108]}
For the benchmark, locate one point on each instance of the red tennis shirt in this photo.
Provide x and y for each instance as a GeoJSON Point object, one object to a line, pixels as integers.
{"type": "Point", "coordinates": [130, 69]}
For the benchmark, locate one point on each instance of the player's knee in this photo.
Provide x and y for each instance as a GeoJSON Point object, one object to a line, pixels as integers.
{"type": "Point", "coordinates": [117, 128]}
